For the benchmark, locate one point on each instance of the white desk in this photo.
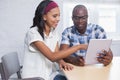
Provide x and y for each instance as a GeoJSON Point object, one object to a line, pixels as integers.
{"type": "Point", "coordinates": [96, 72]}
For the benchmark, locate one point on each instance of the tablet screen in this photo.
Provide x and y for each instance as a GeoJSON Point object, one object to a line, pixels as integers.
{"type": "Point", "coordinates": [96, 46]}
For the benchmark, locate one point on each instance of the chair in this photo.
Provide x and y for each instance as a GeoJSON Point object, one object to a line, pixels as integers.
{"type": "Point", "coordinates": [10, 65]}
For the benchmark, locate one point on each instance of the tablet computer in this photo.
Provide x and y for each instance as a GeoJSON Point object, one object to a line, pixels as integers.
{"type": "Point", "coordinates": [96, 46]}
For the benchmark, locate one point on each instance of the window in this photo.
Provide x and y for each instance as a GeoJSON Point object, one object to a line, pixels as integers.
{"type": "Point", "coordinates": [107, 17]}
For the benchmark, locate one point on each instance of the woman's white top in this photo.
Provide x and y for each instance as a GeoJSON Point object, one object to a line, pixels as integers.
{"type": "Point", "coordinates": [35, 64]}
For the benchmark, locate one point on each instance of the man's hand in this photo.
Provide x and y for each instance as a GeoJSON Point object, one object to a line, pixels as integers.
{"type": "Point", "coordinates": [78, 61]}
{"type": "Point", "coordinates": [105, 57]}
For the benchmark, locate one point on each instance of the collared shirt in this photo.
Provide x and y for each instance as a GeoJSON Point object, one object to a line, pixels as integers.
{"type": "Point", "coordinates": [72, 37]}
{"type": "Point", "coordinates": [35, 64]}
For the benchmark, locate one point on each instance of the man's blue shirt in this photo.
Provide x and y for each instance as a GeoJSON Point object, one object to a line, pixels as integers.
{"type": "Point", "coordinates": [72, 37]}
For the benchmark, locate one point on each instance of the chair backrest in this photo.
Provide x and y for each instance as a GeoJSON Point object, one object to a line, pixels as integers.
{"type": "Point", "coordinates": [10, 64]}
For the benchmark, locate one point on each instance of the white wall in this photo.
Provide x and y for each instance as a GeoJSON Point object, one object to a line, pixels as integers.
{"type": "Point", "coordinates": [15, 19]}
{"type": "Point", "coordinates": [116, 47]}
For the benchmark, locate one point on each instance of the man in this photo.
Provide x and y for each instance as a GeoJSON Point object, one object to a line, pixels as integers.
{"type": "Point", "coordinates": [81, 33]}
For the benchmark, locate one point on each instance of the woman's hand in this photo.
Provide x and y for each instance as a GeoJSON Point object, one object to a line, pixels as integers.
{"type": "Point", "coordinates": [83, 46]}
{"type": "Point", "coordinates": [65, 66]}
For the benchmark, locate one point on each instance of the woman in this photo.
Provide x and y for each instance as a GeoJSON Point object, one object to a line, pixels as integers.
{"type": "Point", "coordinates": [41, 44]}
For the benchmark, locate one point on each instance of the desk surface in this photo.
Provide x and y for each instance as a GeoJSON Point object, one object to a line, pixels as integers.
{"type": "Point", "coordinates": [96, 72]}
